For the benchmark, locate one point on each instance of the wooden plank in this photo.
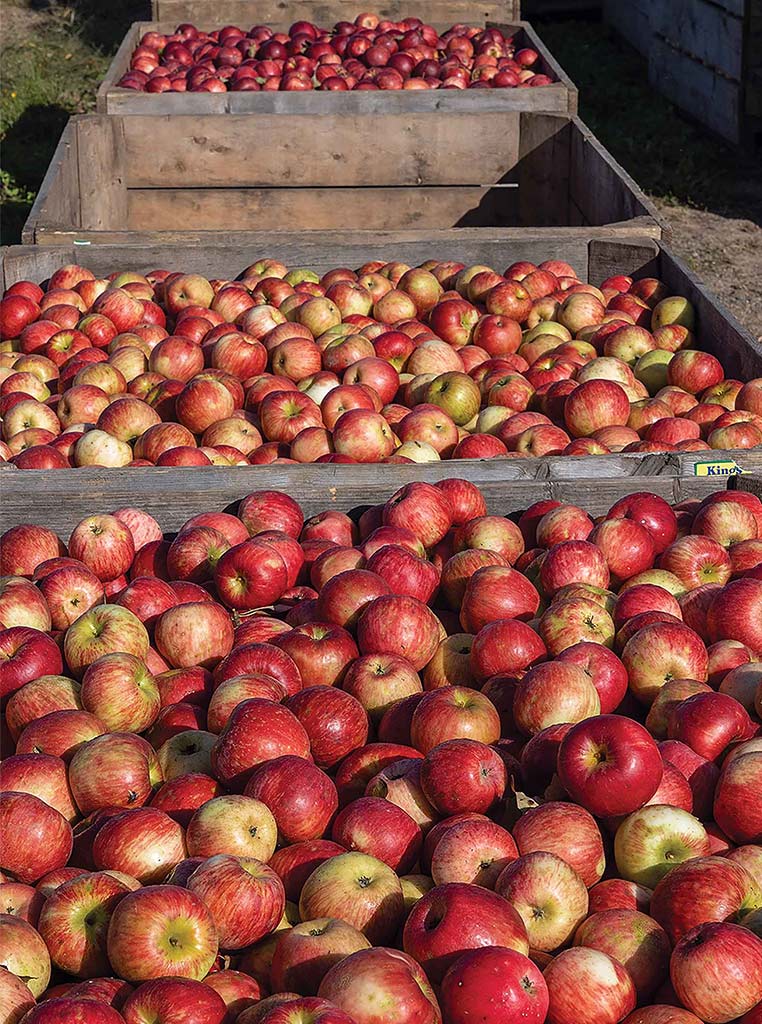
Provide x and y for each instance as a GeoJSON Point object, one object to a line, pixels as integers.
{"type": "Point", "coordinates": [57, 201]}
{"type": "Point", "coordinates": [263, 12]}
{"type": "Point", "coordinates": [698, 90]}
{"type": "Point", "coordinates": [631, 19]}
{"type": "Point", "coordinates": [752, 484]}
{"type": "Point", "coordinates": [703, 30]}
{"type": "Point", "coordinates": [119, 64]}
{"type": "Point", "coordinates": [388, 149]}
{"type": "Point", "coordinates": [174, 495]}
{"type": "Point", "coordinates": [370, 209]}
{"type": "Point", "coordinates": [601, 187]}
{"type": "Point", "coordinates": [543, 170]}
{"type": "Point", "coordinates": [103, 198]}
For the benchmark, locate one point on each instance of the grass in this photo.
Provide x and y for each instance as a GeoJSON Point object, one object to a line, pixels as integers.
{"type": "Point", "coordinates": [52, 60]}
{"type": "Point", "coordinates": [668, 156]}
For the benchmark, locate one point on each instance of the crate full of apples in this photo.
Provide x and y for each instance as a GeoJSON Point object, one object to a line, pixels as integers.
{"type": "Point", "coordinates": [420, 766]}
{"type": "Point", "coordinates": [382, 363]}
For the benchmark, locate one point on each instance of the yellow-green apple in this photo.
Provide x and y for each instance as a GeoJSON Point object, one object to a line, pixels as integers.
{"type": "Point", "coordinates": [358, 889]}
{"type": "Point", "coordinates": [24, 954]}
{"type": "Point", "coordinates": [75, 923]}
{"type": "Point", "coordinates": [36, 837]}
{"type": "Point", "coordinates": [548, 895]}
{"type": "Point", "coordinates": [103, 629]}
{"type": "Point", "coordinates": [451, 664]}
{"type": "Point", "coordinates": [566, 830]}
{"type": "Point", "coordinates": [188, 750]}
{"type": "Point", "coordinates": [245, 897]}
{"type": "Point", "coordinates": [655, 839]}
{"type": "Point", "coordinates": [453, 918]}
{"type": "Point", "coordinates": [700, 961]}
{"type": "Point", "coordinates": [302, 798]}
{"type": "Point", "coordinates": [701, 890]}
{"type": "Point", "coordinates": [233, 824]}
{"type": "Point", "coordinates": [114, 770]}
{"type": "Point", "coordinates": [610, 765]}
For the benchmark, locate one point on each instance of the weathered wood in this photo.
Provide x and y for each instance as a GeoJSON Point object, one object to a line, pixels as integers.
{"type": "Point", "coordinates": [59, 499]}
{"type": "Point", "coordinates": [752, 484]}
{"type": "Point", "coordinates": [135, 191]}
{"type": "Point", "coordinates": [631, 19]}
{"type": "Point", "coordinates": [704, 31]}
{"type": "Point", "coordinates": [558, 98]}
{"type": "Point", "coordinates": [264, 12]}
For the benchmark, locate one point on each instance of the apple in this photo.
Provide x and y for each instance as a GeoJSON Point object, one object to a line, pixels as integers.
{"type": "Point", "coordinates": [42, 775]}
{"type": "Point", "coordinates": [171, 999]}
{"type": "Point", "coordinates": [75, 922]}
{"type": "Point", "coordinates": [194, 634]}
{"type": "Point", "coordinates": [606, 671]}
{"type": "Point", "coordinates": [492, 592]}
{"type": "Point", "coordinates": [237, 990]}
{"type": "Point", "coordinates": [632, 939]}
{"type": "Point", "coordinates": [505, 647]}
{"type": "Point", "coordinates": [734, 614]}
{"type": "Point", "coordinates": [472, 849]}
{"type": "Point", "coordinates": [736, 810]}
{"type": "Point", "coordinates": [16, 998]}
{"type": "Point", "coordinates": [104, 629]}
{"type": "Point", "coordinates": [121, 692]}
{"type": "Point", "coordinates": [304, 954]}
{"type": "Point", "coordinates": [434, 932]}
{"type": "Point", "coordinates": [144, 843]}
{"type": "Point", "coordinates": [381, 829]}
{"type": "Point", "coordinates": [462, 775]}
{"type": "Point", "coordinates": [699, 962]}
{"type": "Point", "coordinates": [233, 824]}
{"type": "Point", "coordinates": [22, 604]}
{"type": "Point", "coordinates": [618, 894]}
{"type": "Point", "coordinates": [38, 839]}
{"type": "Point", "coordinates": [113, 770]}
{"type": "Point", "coordinates": [548, 895]}
{"type": "Point", "coordinates": [566, 830]}
{"type": "Point", "coordinates": [302, 799]}
{"type": "Point", "coordinates": [378, 680]}
{"type": "Point", "coordinates": [708, 723]}
{"type": "Point", "coordinates": [702, 890]}
{"type": "Point", "coordinates": [587, 986]}
{"type": "Point", "coordinates": [26, 655]}
{"type": "Point", "coordinates": [509, 981]}
{"type": "Point", "coordinates": [662, 651]}
{"type": "Point", "coordinates": [358, 889]}
{"type": "Point", "coordinates": [654, 839]}
{"type": "Point", "coordinates": [610, 765]}
{"type": "Point", "coordinates": [573, 561]}
{"type": "Point", "coordinates": [294, 864]}
{"type": "Point", "coordinates": [245, 897]}
{"type": "Point", "coordinates": [358, 983]}
{"type": "Point", "coordinates": [60, 733]}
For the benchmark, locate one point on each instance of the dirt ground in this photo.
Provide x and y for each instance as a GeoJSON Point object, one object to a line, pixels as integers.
{"type": "Point", "coordinates": [725, 253]}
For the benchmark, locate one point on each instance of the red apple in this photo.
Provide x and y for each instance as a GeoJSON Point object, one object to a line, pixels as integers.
{"type": "Point", "coordinates": [699, 964]}
{"type": "Point", "coordinates": [301, 797]}
{"type": "Point", "coordinates": [245, 897]}
{"type": "Point", "coordinates": [509, 980]}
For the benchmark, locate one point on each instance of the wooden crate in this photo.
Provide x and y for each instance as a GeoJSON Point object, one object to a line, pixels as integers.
{"type": "Point", "coordinates": [560, 98]}
{"type": "Point", "coordinates": [149, 180]}
{"type": "Point", "coordinates": [264, 12]}
{"type": "Point", "coordinates": [703, 55]}
{"type": "Point", "coordinates": [61, 498]}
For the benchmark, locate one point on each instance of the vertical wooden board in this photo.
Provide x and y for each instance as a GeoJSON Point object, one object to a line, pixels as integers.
{"type": "Point", "coordinates": [635, 258]}
{"type": "Point", "coordinates": [543, 170]}
{"type": "Point", "coordinates": [103, 197]}
{"type": "Point", "coordinates": [697, 89]}
{"type": "Point", "coordinates": [119, 65]}
{"type": "Point", "coordinates": [415, 149]}
{"type": "Point", "coordinates": [601, 188]}
{"type": "Point", "coordinates": [57, 201]}
{"type": "Point", "coordinates": [631, 19]}
{"type": "Point", "coordinates": [703, 30]}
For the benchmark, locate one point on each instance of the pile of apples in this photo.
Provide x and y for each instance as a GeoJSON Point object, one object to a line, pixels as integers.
{"type": "Point", "coordinates": [425, 766]}
{"type": "Point", "coordinates": [368, 53]}
{"type": "Point", "coordinates": [386, 363]}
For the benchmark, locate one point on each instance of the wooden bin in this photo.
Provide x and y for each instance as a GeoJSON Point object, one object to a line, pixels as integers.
{"type": "Point", "coordinates": [173, 495]}
{"type": "Point", "coordinates": [265, 12]}
{"type": "Point", "coordinates": [559, 98]}
{"type": "Point", "coordinates": [703, 55]}
{"type": "Point", "coordinates": [146, 180]}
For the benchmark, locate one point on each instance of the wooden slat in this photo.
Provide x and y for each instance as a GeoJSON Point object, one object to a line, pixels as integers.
{"type": "Point", "coordinates": [57, 201]}
{"type": "Point", "coordinates": [248, 12]}
{"type": "Point", "coordinates": [361, 208]}
{"type": "Point", "coordinates": [704, 31]}
{"type": "Point", "coordinates": [59, 499]}
{"type": "Point", "coordinates": [752, 484]}
{"type": "Point", "coordinates": [388, 149]}
{"type": "Point", "coordinates": [103, 198]}
{"type": "Point", "coordinates": [631, 19]}
{"type": "Point", "coordinates": [698, 90]}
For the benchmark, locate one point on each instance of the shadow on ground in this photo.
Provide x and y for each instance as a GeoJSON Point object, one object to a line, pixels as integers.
{"type": "Point", "coordinates": [102, 24]}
